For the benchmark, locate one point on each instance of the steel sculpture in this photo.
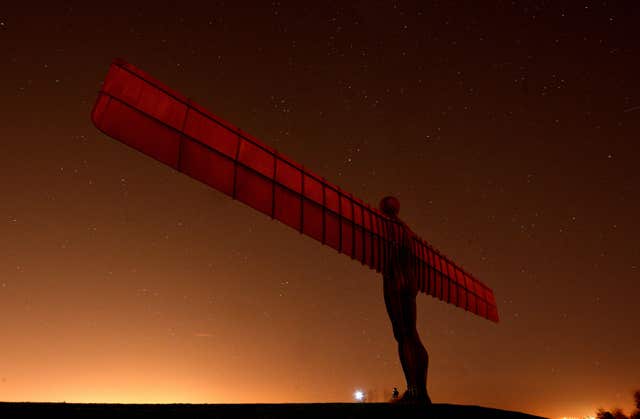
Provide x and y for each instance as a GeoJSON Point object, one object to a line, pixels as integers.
{"type": "Point", "coordinates": [138, 110]}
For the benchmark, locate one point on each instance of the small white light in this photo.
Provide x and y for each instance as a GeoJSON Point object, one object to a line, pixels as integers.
{"type": "Point", "coordinates": [358, 395]}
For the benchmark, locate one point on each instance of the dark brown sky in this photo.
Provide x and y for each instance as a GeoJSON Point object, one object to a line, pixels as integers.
{"type": "Point", "coordinates": [510, 133]}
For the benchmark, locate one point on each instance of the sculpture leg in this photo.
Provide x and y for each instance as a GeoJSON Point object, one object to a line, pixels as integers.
{"type": "Point", "coordinates": [401, 307]}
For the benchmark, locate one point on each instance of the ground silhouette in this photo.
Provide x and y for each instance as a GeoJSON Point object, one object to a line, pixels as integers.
{"type": "Point", "coordinates": [262, 411]}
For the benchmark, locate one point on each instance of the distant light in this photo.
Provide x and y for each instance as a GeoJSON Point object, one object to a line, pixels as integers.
{"type": "Point", "coordinates": [358, 395]}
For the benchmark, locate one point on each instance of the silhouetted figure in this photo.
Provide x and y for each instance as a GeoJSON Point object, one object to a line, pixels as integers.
{"type": "Point", "coordinates": [400, 291]}
{"type": "Point", "coordinates": [395, 394]}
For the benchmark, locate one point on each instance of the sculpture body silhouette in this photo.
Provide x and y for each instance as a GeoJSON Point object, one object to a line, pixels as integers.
{"type": "Point", "coordinates": [400, 292]}
{"type": "Point", "coordinates": [141, 112]}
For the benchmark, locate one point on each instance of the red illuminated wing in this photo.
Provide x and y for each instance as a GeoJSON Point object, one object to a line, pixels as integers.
{"type": "Point", "coordinates": [441, 278]}
{"type": "Point", "coordinates": [139, 111]}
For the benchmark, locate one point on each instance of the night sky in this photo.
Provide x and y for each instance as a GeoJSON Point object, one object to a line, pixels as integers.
{"type": "Point", "coordinates": [508, 130]}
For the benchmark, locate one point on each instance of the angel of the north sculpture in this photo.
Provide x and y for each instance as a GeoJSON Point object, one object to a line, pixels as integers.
{"type": "Point", "coordinates": [138, 110]}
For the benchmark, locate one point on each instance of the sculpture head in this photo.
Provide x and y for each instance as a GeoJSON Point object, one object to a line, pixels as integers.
{"type": "Point", "coordinates": [390, 206]}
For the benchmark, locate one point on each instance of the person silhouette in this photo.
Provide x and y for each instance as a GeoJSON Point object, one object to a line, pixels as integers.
{"type": "Point", "coordinates": [395, 393]}
{"type": "Point", "coordinates": [400, 288]}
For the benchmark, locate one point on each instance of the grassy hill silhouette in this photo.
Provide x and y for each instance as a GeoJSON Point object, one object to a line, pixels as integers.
{"type": "Point", "coordinates": [261, 411]}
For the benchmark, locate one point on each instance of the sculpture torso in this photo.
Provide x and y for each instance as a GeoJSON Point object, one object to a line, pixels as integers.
{"type": "Point", "coordinates": [400, 275]}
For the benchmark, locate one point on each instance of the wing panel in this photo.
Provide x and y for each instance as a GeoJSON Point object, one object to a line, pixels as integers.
{"type": "Point", "coordinates": [209, 167]}
{"type": "Point", "coordinates": [332, 200]}
{"type": "Point", "coordinates": [482, 308]}
{"type": "Point", "coordinates": [312, 219]}
{"type": "Point", "coordinates": [441, 276]}
{"type": "Point", "coordinates": [460, 277]}
{"type": "Point", "coordinates": [134, 129]}
{"type": "Point", "coordinates": [346, 246]}
{"type": "Point", "coordinates": [256, 159]}
{"type": "Point", "coordinates": [289, 176]}
{"type": "Point", "coordinates": [430, 271]}
{"type": "Point", "coordinates": [454, 283]}
{"type": "Point", "coordinates": [438, 286]}
{"type": "Point", "coordinates": [161, 106]}
{"type": "Point", "coordinates": [358, 247]}
{"type": "Point", "coordinates": [446, 282]}
{"type": "Point", "coordinates": [453, 297]}
{"type": "Point", "coordinates": [287, 207]}
{"type": "Point", "coordinates": [346, 208]}
{"type": "Point", "coordinates": [367, 239]}
{"type": "Point", "coordinates": [313, 190]}
{"type": "Point", "coordinates": [211, 134]}
{"type": "Point", "coordinates": [471, 302]}
{"type": "Point", "coordinates": [357, 214]}
{"type": "Point", "coordinates": [424, 272]}
{"type": "Point", "coordinates": [462, 298]}
{"type": "Point", "coordinates": [375, 245]}
{"type": "Point", "coordinates": [332, 230]}
{"type": "Point", "coordinates": [253, 189]}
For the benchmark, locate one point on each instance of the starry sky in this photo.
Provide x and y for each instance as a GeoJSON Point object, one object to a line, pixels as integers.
{"type": "Point", "coordinates": [508, 130]}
